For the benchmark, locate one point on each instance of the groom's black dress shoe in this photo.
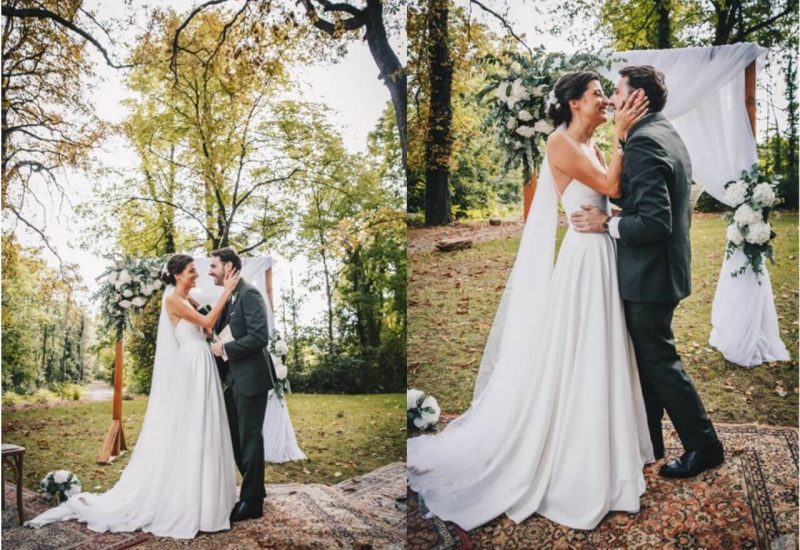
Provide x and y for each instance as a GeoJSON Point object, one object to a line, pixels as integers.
{"type": "Point", "coordinates": [246, 510]}
{"type": "Point", "coordinates": [692, 463]}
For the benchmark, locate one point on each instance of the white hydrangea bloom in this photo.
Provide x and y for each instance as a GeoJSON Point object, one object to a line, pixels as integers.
{"type": "Point", "coordinates": [432, 416]}
{"type": "Point", "coordinates": [501, 92]}
{"type": "Point", "coordinates": [127, 293]}
{"type": "Point", "coordinates": [745, 215]}
{"type": "Point", "coordinates": [763, 194]}
{"type": "Point", "coordinates": [518, 93]}
{"type": "Point", "coordinates": [551, 98]}
{"type": "Point", "coordinates": [759, 233]}
{"type": "Point", "coordinates": [412, 398]}
{"type": "Point", "coordinates": [525, 131]}
{"type": "Point", "coordinates": [543, 127]}
{"type": "Point", "coordinates": [60, 476]}
{"type": "Point", "coordinates": [138, 301]}
{"type": "Point", "coordinates": [282, 347]}
{"type": "Point", "coordinates": [73, 490]}
{"type": "Point", "coordinates": [538, 91]}
{"type": "Point", "coordinates": [734, 235]}
{"type": "Point", "coordinates": [124, 304]}
{"type": "Point", "coordinates": [516, 67]}
{"type": "Point", "coordinates": [280, 369]}
{"type": "Point", "coordinates": [512, 123]}
{"type": "Point", "coordinates": [525, 116]}
{"type": "Point", "coordinates": [736, 193]}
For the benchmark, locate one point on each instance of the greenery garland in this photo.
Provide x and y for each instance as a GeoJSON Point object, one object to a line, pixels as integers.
{"type": "Point", "coordinates": [128, 285]}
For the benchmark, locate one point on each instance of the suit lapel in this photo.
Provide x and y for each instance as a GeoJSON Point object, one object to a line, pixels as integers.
{"type": "Point", "coordinates": [231, 303]}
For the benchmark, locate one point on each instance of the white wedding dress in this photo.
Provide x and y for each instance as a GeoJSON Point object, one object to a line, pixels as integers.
{"type": "Point", "coordinates": [557, 425]}
{"type": "Point", "coordinates": [181, 477]}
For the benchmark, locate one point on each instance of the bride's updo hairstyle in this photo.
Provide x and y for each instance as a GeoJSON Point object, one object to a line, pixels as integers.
{"type": "Point", "coordinates": [570, 86]}
{"type": "Point", "coordinates": [175, 266]}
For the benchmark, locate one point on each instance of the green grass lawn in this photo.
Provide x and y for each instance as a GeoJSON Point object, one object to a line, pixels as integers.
{"type": "Point", "coordinates": [343, 436]}
{"type": "Point", "coordinates": [453, 297]}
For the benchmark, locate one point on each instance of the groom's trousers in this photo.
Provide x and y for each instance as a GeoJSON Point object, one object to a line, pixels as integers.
{"type": "Point", "coordinates": [246, 420]}
{"type": "Point", "coordinates": [665, 384]}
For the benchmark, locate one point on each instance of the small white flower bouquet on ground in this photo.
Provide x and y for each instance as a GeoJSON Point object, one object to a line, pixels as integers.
{"type": "Point", "coordinates": [422, 410]}
{"type": "Point", "coordinates": [59, 485]}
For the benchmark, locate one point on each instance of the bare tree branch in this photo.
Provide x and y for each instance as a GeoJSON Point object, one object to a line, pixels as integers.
{"type": "Point", "coordinates": [353, 23]}
{"type": "Point", "coordinates": [503, 22]}
{"type": "Point", "coordinates": [173, 63]}
{"type": "Point", "coordinates": [41, 13]}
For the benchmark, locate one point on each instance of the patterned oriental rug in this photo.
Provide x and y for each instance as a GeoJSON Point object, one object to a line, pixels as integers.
{"type": "Point", "coordinates": [357, 513]}
{"type": "Point", "coordinates": [751, 501]}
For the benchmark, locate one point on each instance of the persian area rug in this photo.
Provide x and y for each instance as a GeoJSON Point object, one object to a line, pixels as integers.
{"type": "Point", "coordinates": [69, 535]}
{"type": "Point", "coordinates": [357, 513]}
{"type": "Point", "coordinates": [382, 492]}
{"type": "Point", "coordinates": [751, 501]}
{"type": "Point", "coordinates": [299, 516]}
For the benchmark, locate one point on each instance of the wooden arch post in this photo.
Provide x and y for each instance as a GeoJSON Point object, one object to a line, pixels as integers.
{"type": "Point", "coordinates": [268, 279]}
{"type": "Point", "coordinates": [528, 190]}
{"type": "Point", "coordinates": [750, 94]}
{"type": "Point", "coordinates": [114, 443]}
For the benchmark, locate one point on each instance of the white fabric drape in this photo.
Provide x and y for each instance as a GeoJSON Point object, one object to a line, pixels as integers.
{"type": "Point", "coordinates": [253, 271]}
{"type": "Point", "coordinates": [280, 442]}
{"type": "Point", "coordinates": [706, 105]}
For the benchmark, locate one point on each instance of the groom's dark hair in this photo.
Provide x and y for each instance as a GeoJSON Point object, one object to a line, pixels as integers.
{"type": "Point", "coordinates": [228, 254]}
{"type": "Point", "coordinates": [649, 79]}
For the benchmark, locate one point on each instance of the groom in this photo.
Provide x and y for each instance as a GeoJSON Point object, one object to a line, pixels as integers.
{"type": "Point", "coordinates": [653, 258]}
{"type": "Point", "coordinates": [246, 377]}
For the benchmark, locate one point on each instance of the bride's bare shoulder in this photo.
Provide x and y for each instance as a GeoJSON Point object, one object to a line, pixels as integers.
{"type": "Point", "coordinates": [172, 302]}
{"type": "Point", "coordinates": [557, 145]}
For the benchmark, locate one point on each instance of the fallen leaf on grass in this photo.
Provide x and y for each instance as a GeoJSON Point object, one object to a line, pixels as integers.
{"type": "Point", "coordinates": [780, 391]}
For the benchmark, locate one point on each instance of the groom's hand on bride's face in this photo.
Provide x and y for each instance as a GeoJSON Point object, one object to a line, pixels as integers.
{"type": "Point", "coordinates": [589, 219]}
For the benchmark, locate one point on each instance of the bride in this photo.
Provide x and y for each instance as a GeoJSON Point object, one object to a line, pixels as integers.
{"type": "Point", "coordinates": [181, 477]}
{"type": "Point", "coordinates": [557, 424]}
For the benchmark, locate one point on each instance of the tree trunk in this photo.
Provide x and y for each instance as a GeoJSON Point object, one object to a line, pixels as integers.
{"type": "Point", "coordinates": [791, 109]}
{"type": "Point", "coordinates": [392, 72]}
{"type": "Point", "coordinates": [438, 144]}
{"type": "Point", "coordinates": [326, 271]}
{"type": "Point", "coordinates": [328, 297]}
{"type": "Point", "coordinates": [294, 323]}
{"type": "Point", "coordinates": [664, 26]}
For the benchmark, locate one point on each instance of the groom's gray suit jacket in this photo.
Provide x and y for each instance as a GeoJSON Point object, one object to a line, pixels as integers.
{"type": "Point", "coordinates": [653, 253]}
{"type": "Point", "coordinates": [248, 364]}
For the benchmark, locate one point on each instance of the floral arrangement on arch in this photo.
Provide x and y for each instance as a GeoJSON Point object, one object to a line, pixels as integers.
{"type": "Point", "coordinates": [752, 198]}
{"type": "Point", "coordinates": [128, 285]}
{"type": "Point", "coordinates": [521, 90]}
{"type": "Point", "coordinates": [278, 350]}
